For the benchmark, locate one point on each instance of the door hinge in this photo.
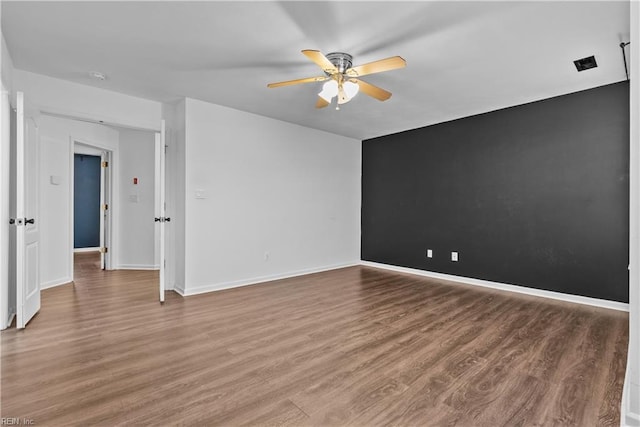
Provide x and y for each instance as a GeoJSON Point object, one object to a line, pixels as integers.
{"type": "Point", "coordinates": [104, 250]}
{"type": "Point", "coordinates": [105, 207]}
{"type": "Point", "coordinates": [104, 165]}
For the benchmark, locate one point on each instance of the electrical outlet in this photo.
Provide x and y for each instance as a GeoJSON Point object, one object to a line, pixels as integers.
{"type": "Point", "coordinates": [429, 253]}
{"type": "Point", "coordinates": [454, 256]}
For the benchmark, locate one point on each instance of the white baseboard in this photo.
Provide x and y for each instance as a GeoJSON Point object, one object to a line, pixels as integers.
{"type": "Point", "coordinates": [627, 417]}
{"type": "Point", "coordinates": [179, 289]}
{"type": "Point", "coordinates": [613, 305]}
{"type": "Point", "coordinates": [12, 314]}
{"type": "Point", "coordinates": [630, 419]}
{"type": "Point", "coordinates": [79, 250]}
{"type": "Point", "coordinates": [137, 267]}
{"type": "Point", "coordinates": [56, 282]}
{"type": "Point", "coordinates": [256, 280]}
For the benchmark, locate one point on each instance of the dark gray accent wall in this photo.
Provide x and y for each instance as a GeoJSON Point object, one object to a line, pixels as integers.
{"type": "Point", "coordinates": [86, 201]}
{"type": "Point", "coordinates": [535, 195]}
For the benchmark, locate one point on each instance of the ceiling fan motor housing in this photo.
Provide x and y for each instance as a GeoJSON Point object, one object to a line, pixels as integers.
{"type": "Point", "coordinates": [342, 61]}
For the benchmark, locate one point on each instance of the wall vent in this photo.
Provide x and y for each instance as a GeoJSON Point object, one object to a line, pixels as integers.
{"type": "Point", "coordinates": [585, 63]}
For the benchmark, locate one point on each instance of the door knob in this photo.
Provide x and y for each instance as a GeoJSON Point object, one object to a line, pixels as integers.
{"type": "Point", "coordinates": [30, 221]}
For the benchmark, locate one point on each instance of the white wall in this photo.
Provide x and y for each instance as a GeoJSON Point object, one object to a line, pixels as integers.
{"type": "Point", "coordinates": [280, 199]}
{"type": "Point", "coordinates": [6, 66]}
{"type": "Point", "coordinates": [57, 137]}
{"type": "Point", "coordinates": [80, 101]}
{"type": "Point", "coordinates": [79, 148]}
{"type": "Point", "coordinates": [6, 83]}
{"type": "Point", "coordinates": [631, 396]}
{"type": "Point", "coordinates": [65, 98]}
{"type": "Point", "coordinates": [137, 248]}
{"type": "Point", "coordinates": [5, 144]}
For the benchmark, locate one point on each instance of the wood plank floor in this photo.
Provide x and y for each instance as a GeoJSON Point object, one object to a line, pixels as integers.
{"type": "Point", "coordinates": [355, 346]}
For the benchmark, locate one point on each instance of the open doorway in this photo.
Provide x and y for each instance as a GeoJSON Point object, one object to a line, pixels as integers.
{"type": "Point", "coordinates": [86, 203]}
{"type": "Point", "coordinates": [91, 198]}
{"type": "Point", "coordinates": [126, 208]}
{"type": "Point", "coordinates": [87, 216]}
{"type": "Point", "coordinates": [53, 173]}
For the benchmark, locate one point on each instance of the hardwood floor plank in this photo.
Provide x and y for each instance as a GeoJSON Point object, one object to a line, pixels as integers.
{"type": "Point", "coordinates": [614, 376]}
{"type": "Point", "coordinates": [353, 346]}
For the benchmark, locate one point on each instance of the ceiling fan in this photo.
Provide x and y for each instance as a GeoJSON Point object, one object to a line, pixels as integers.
{"type": "Point", "coordinates": [342, 80]}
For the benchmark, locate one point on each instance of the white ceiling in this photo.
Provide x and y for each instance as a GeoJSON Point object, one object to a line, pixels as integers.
{"type": "Point", "coordinates": [463, 58]}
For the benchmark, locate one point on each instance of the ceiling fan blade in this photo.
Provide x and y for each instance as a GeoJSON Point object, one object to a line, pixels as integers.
{"type": "Point", "coordinates": [342, 96]}
{"type": "Point", "coordinates": [321, 102]}
{"type": "Point", "coordinates": [387, 64]}
{"type": "Point", "coordinates": [371, 90]}
{"type": "Point", "coordinates": [298, 81]}
{"type": "Point", "coordinates": [322, 61]}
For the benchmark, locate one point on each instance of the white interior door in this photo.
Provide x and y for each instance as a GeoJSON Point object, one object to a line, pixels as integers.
{"type": "Point", "coordinates": [26, 220]}
{"type": "Point", "coordinates": [160, 218]}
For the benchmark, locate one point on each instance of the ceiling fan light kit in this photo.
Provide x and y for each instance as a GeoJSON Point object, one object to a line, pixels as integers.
{"type": "Point", "coordinates": [342, 79]}
{"type": "Point", "coordinates": [329, 90]}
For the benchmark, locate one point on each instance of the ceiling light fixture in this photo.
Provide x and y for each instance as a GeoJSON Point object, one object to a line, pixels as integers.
{"type": "Point", "coordinates": [345, 91]}
{"type": "Point", "coordinates": [339, 86]}
{"type": "Point", "coordinates": [342, 79]}
{"type": "Point", "coordinates": [329, 90]}
{"type": "Point", "coordinates": [350, 89]}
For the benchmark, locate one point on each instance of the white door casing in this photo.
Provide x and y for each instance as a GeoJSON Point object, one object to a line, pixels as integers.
{"type": "Point", "coordinates": [105, 210]}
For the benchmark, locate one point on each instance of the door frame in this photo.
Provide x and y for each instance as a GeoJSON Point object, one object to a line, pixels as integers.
{"type": "Point", "coordinates": [110, 194]}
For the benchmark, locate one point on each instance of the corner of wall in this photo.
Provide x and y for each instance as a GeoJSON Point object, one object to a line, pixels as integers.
{"type": "Point", "coordinates": [7, 66]}
{"type": "Point", "coordinates": [6, 80]}
{"type": "Point", "coordinates": [630, 408]}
